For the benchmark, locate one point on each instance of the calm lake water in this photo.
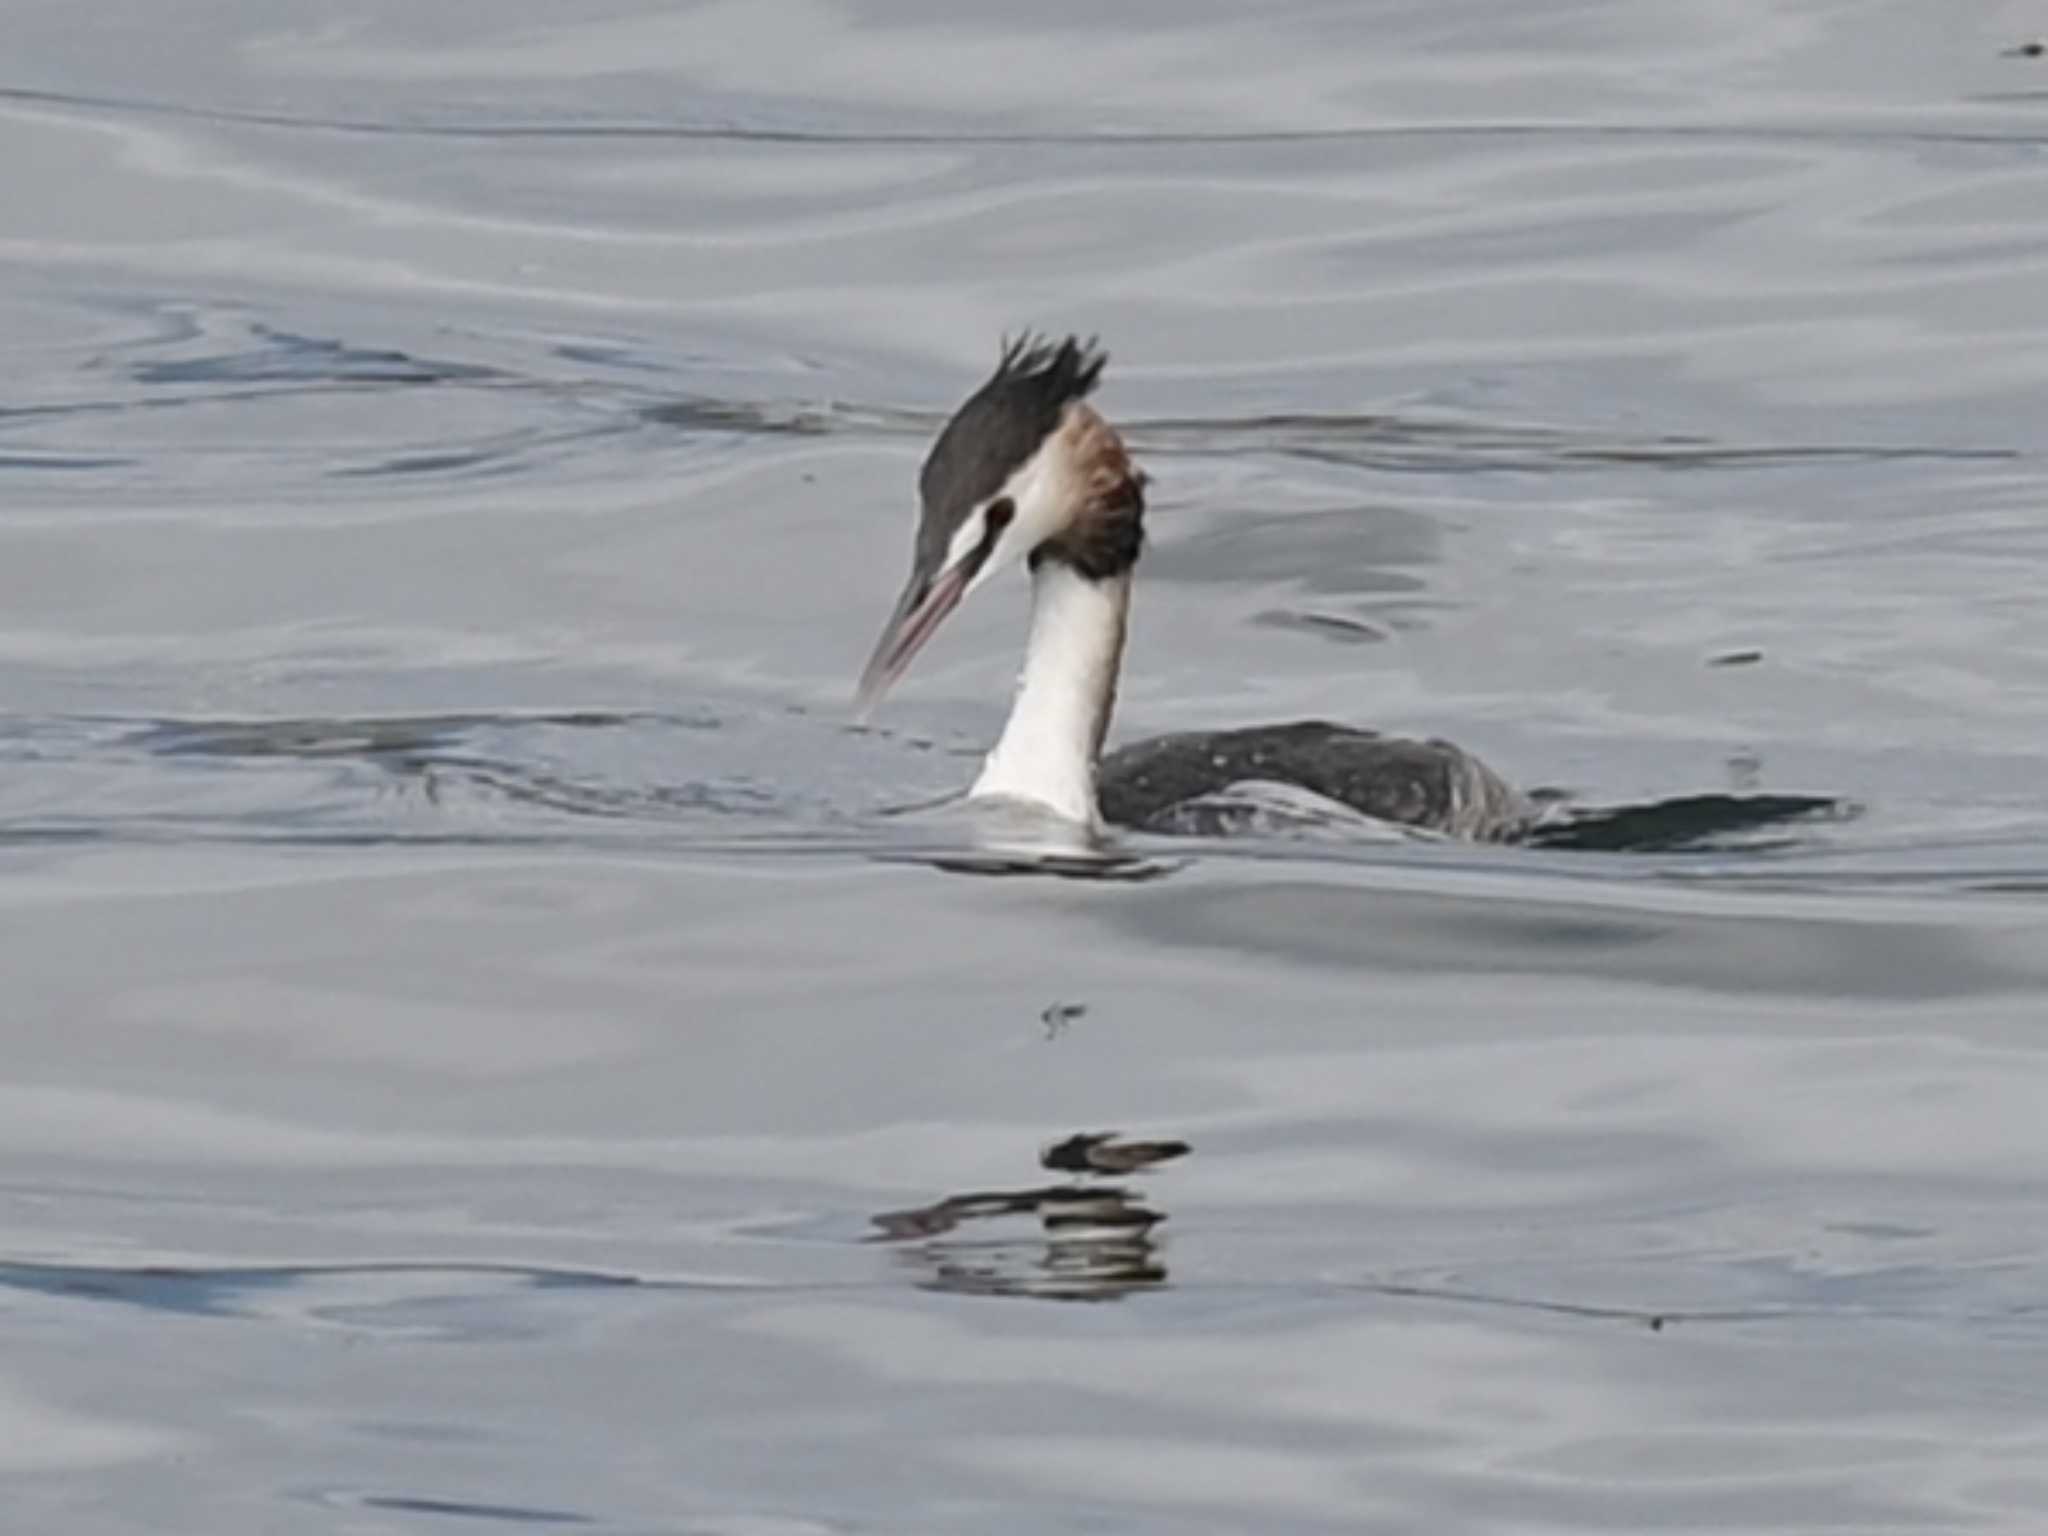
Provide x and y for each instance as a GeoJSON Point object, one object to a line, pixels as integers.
{"type": "Point", "coordinates": [477, 1058]}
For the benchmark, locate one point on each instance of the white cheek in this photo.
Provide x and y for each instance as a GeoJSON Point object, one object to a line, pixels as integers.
{"type": "Point", "coordinates": [1034, 492]}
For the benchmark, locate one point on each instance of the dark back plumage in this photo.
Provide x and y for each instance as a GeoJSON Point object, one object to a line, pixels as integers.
{"type": "Point", "coordinates": [1000, 426]}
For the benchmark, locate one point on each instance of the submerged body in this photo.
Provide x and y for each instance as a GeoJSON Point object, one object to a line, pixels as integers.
{"type": "Point", "coordinates": [1026, 469]}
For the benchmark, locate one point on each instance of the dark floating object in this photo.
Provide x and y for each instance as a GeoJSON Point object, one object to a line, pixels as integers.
{"type": "Point", "coordinates": [1056, 1202]}
{"type": "Point", "coordinates": [1093, 1241]}
{"type": "Point", "coordinates": [1736, 659]}
{"type": "Point", "coordinates": [2033, 50]}
{"type": "Point", "coordinates": [1057, 1016]}
{"type": "Point", "coordinates": [1102, 1152]}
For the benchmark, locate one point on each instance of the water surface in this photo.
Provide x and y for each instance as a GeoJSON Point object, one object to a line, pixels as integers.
{"type": "Point", "coordinates": [479, 1058]}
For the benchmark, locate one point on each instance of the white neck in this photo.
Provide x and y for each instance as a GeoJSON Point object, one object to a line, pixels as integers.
{"type": "Point", "coordinates": [1048, 748]}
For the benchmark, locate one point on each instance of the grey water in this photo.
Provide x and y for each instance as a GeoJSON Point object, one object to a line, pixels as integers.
{"type": "Point", "coordinates": [479, 1054]}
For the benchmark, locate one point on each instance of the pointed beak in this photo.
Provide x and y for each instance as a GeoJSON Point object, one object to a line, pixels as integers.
{"type": "Point", "coordinates": [919, 611]}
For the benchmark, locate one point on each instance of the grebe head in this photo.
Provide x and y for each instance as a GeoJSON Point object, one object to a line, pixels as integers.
{"type": "Point", "coordinates": [1024, 470]}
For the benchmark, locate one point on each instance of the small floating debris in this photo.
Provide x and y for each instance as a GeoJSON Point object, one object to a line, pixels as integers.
{"type": "Point", "coordinates": [1736, 659]}
{"type": "Point", "coordinates": [1102, 1152]}
{"type": "Point", "coordinates": [1057, 1016]}
{"type": "Point", "coordinates": [2032, 50]}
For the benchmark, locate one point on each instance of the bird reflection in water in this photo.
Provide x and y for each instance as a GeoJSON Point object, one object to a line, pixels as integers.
{"type": "Point", "coordinates": [1093, 1240]}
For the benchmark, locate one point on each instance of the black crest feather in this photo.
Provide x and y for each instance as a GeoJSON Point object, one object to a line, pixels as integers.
{"type": "Point", "coordinates": [1001, 426]}
{"type": "Point", "coordinates": [1068, 369]}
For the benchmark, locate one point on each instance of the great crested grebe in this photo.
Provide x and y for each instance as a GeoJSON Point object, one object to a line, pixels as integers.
{"type": "Point", "coordinates": [1028, 469]}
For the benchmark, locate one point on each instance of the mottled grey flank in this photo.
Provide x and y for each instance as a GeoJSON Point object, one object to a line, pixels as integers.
{"type": "Point", "coordinates": [1432, 785]}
